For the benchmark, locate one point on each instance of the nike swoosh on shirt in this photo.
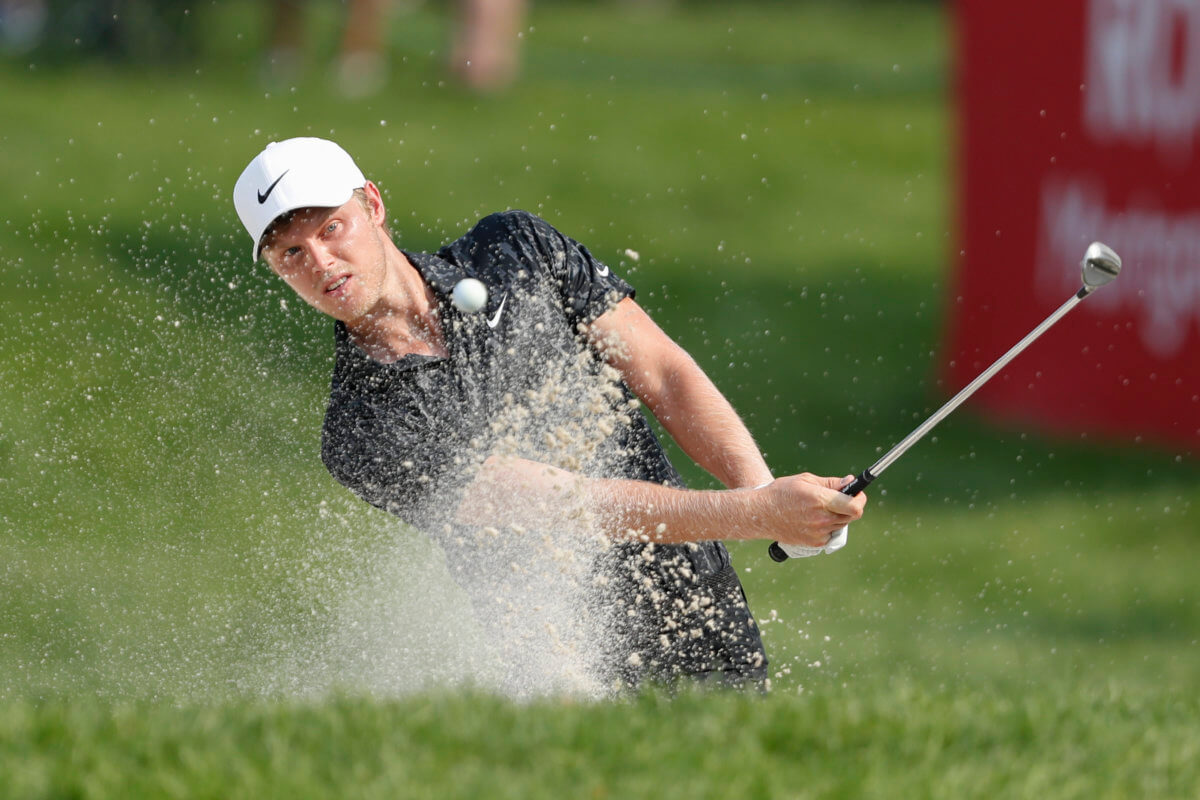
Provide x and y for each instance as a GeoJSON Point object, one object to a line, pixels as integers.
{"type": "Point", "coordinates": [494, 320]}
{"type": "Point", "coordinates": [262, 196]}
{"type": "Point", "coordinates": [602, 270]}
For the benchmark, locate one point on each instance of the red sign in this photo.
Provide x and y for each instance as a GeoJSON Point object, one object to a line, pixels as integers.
{"type": "Point", "coordinates": [1080, 121]}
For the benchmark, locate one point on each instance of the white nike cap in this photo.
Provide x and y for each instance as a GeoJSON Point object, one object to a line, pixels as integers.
{"type": "Point", "coordinates": [295, 173]}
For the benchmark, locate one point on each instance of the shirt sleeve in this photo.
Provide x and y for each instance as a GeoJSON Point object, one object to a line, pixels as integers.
{"type": "Point", "coordinates": [587, 286]}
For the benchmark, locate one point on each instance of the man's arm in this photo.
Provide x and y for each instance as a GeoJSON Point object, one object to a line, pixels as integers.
{"type": "Point", "coordinates": [680, 395]}
{"type": "Point", "coordinates": [797, 509]}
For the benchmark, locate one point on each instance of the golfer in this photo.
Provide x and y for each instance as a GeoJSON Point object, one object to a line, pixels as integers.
{"type": "Point", "coordinates": [520, 425]}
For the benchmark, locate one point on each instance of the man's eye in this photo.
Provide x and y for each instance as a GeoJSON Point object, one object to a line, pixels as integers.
{"type": "Point", "coordinates": [291, 252]}
{"type": "Point", "coordinates": [333, 226]}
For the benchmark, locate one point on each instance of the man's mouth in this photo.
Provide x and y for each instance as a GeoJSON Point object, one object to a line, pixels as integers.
{"type": "Point", "coordinates": [338, 284]}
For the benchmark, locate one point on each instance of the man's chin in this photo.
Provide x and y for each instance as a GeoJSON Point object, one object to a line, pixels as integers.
{"type": "Point", "coordinates": [340, 311]}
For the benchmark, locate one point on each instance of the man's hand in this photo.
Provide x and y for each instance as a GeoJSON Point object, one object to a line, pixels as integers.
{"type": "Point", "coordinates": [806, 509]}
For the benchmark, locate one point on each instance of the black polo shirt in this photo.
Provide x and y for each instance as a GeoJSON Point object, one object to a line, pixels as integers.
{"type": "Point", "coordinates": [520, 379]}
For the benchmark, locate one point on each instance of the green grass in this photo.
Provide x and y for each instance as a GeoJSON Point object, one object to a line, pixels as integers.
{"type": "Point", "coordinates": [880, 739]}
{"type": "Point", "coordinates": [182, 586]}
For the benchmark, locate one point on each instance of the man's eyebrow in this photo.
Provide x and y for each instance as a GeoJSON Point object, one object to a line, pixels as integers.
{"type": "Point", "coordinates": [285, 221]}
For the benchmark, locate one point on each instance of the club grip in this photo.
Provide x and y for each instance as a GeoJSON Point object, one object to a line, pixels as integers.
{"type": "Point", "coordinates": [858, 484]}
{"type": "Point", "coordinates": [854, 487]}
{"type": "Point", "coordinates": [776, 553]}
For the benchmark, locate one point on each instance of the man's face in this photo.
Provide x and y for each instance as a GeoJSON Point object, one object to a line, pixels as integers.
{"type": "Point", "coordinates": [334, 258]}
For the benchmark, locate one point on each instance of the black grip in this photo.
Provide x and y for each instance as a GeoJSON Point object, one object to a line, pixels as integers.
{"type": "Point", "coordinates": [854, 487]}
{"type": "Point", "coordinates": [858, 484]}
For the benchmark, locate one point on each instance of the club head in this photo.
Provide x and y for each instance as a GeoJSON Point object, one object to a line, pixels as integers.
{"type": "Point", "coordinates": [1100, 265]}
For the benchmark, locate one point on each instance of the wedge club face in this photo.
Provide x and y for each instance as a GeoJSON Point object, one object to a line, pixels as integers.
{"type": "Point", "coordinates": [1100, 266]}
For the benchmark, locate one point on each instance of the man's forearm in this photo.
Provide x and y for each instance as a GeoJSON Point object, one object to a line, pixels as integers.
{"type": "Point", "coordinates": [518, 492]}
{"type": "Point", "coordinates": [653, 512]}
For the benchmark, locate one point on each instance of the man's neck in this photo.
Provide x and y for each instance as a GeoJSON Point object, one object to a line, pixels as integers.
{"type": "Point", "coordinates": [405, 320]}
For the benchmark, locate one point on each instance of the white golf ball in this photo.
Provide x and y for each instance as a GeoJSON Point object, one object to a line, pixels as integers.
{"type": "Point", "coordinates": [469, 295]}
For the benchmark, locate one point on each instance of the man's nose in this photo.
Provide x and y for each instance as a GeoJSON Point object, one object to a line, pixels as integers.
{"type": "Point", "coordinates": [319, 254]}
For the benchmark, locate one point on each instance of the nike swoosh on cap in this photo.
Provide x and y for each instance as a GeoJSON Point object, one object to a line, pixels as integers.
{"type": "Point", "coordinates": [494, 320]}
{"type": "Point", "coordinates": [262, 196]}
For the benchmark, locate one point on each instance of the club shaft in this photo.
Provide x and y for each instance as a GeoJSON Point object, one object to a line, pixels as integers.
{"type": "Point", "coordinates": [1100, 266]}
{"type": "Point", "coordinates": [866, 476]}
{"type": "Point", "coordinates": [954, 402]}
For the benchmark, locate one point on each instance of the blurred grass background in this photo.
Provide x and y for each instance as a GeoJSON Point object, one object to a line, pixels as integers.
{"type": "Point", "coordinates": [785, 173]}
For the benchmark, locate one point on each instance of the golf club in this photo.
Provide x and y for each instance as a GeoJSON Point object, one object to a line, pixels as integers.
{"type": "Point", "coordinates": [1100, 266]}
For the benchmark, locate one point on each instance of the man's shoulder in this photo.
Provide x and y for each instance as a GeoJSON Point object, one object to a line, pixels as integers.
{"type": "Point", "coordinates": [513, 219]}
{"type": "Point", "coordinates": [503, 226]}
{"type": "Point", "coordinates": [501, 242]}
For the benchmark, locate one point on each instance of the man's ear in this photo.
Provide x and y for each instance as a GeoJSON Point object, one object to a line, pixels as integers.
{"type": "Point", "coordinates": [375, 203]}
